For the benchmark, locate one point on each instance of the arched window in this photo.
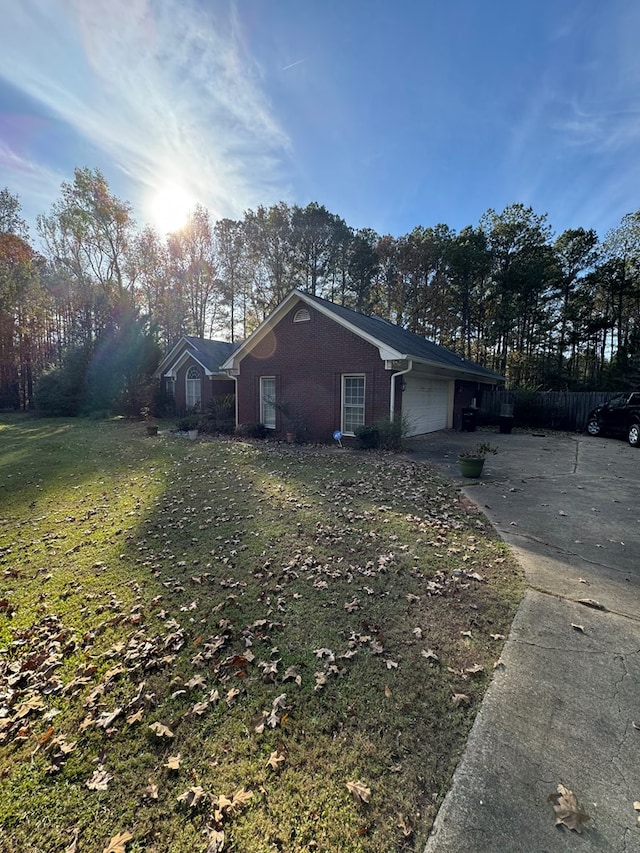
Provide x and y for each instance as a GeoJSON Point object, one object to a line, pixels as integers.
{"type": "Point", "coordinates": [193, 388]}
{"type": "Point", "coordinates": [302, 315]}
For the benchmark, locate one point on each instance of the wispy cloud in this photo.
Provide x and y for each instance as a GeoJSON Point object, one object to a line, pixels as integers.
{"type": "Point", "coordinates": [163, 89]}
{"type": "Point", "coordinates": [292, 64]}
{"type": "Point", "coordinates": [38, 182]}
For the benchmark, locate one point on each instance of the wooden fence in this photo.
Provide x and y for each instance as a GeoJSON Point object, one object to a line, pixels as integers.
{"type": "Point", "coordinates": [566, 410]}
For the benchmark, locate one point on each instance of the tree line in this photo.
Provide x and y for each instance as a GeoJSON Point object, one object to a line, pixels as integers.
{"type": "Point", "coordinates": [548, 312]}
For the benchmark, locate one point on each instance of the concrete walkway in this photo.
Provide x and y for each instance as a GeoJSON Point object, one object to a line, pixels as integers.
{"type": "Point", "coordinates": [563, 708]}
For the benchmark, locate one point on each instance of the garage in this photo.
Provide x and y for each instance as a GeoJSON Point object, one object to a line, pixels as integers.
{"type": "Point", "coordinates": [425, 404]}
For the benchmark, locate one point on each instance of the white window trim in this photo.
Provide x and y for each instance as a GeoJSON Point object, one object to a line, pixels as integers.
{"type": "Point", "coordinates": [268, 405]}
{"type": "Point", "coordinates": [346, 376]}
{"type": "Point", "coordinates": [192, 400]}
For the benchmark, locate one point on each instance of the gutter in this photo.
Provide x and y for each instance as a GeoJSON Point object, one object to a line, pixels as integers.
{"type": "Point", "coordinates": [392, 396]}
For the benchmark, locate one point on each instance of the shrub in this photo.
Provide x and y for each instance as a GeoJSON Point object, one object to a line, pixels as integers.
{"type": "Point", "coordinates": [367, 436]}
{"type": "Point", "coordinates": [221, 414]}
{"type": "Point", "coordinates": [250, 430]}
{"type": "Point", "coordinates": [62, 390]}
{"type": "Point", "coordinates": [383, 435]}
{"type": "Point", "coordinates": [188, 422]}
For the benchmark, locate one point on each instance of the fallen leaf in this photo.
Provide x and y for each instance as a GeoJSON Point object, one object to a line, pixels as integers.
{"type": "Point", "coordinates": [160, 730]}
{"type": "Point", "coordinates": [591, 602]}
{"type": "Point", "coordinates": [387, 691]}
{"type": "Point", "coordinates": [321, 680]}
{"type": "Point", "coordinates": [73, 847]}
{"type": "Point", "coordinates": [241, 798]}
{"type": "Point", "coordinates": [579, 628]}
{"type": "Point", "coordinates": [275, 759]}
{"type": "Point", "coordinates": [429, 654]}
{"type": "Point", "coordinates": [417, 633]}
{"type": "Point", "coordinates": [100, 779]}
{"type": "Point", "coordinates": [497, 636]}
{"type": "Point", "coordinates": [231, 695]}
{"type": "Point", "coordinates": [291, 673]}
{"type": "Point", "coordinates": [46, 736]}
{"type": "Point", "coordinates": [568, 811]}
{"type": "Point", "coordinates": [475, 669]}
{"type": "Point", "coordinates": [359, 791]}
{"type": "Point", "coordinates": [118, 842]}
{"type": "Point", "coordinates": [192, 797]}
{"type": "Point", "coordinates": [135, 718]}
{"type": "Point", "coordinates": [404, 824]}
{"type": "Point", "coordinates": [151, 791]}
{"type": "Point", "coordinates": [173, 762]}
{"type": "Point", "coordinates": [466, 634]}
{"type": "Point", "coordinates": [460, 699]}
{"type": "Point", "coordinates": [215, 841]}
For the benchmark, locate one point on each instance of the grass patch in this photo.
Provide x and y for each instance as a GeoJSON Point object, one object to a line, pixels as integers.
{"type": "Point", "coordinates": [293, 619]}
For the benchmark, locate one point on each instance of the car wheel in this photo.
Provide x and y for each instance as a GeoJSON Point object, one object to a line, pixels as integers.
{"type": "Point", "coordinates": [634, 435]}
{"type": "Point", "coordinates": [593, 427]}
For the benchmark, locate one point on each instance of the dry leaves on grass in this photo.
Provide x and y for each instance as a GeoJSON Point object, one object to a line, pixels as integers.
{"type": "Point", "coordinates": [568, 810]}
{"type": "Point", "coordinates": [275, 759]}
{"type": "Point", "coordinates": [193, 796]}
{"type": "Point", "coordinates": [118, 842]}
{"type": "Point", "coordinates": [100, 779]}
{"type": "Point", "coordinates": [160, 730]}
{"type": "Point", "coordinates": [359, 791]}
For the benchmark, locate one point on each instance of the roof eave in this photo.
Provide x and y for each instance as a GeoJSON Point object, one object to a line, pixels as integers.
{"type": "Point", "coordinates": [459, 372]}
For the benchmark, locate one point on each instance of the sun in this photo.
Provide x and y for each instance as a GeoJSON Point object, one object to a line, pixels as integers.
{"type": "Point", "coordinates": [170, 208]}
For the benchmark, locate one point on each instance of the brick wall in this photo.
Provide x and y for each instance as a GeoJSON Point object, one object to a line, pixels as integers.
{"type": "Point", "coordinates": [210, 388]}
{"type": "Point", "coordinates": [308, 360]}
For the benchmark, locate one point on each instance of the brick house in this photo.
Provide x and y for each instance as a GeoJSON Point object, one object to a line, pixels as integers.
{"type": "Point", "coordinates": [313, 367]}
{"type": "Point", "coordinates": [190, 376]}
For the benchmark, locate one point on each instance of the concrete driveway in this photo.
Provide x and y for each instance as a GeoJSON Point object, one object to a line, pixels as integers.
{"type": "Point", "coordinates": [568, 504]}
{"type": "Point", "coordinates": [565, 707]}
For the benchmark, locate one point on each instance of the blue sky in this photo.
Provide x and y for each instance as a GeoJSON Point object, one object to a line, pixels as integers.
{"type": "Point", "coordinates": [391, 113]}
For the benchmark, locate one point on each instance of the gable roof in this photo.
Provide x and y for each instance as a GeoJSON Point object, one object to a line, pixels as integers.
{"type": "Point", "coordinates": [208, 354]}
{"type": "Point", "coordinates": [392, 341]}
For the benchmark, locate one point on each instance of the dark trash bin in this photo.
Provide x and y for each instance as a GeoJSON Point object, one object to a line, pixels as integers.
{"type": "Point", "coordinates": [506, 424]}
{"type": "Point", "coordinates": [469, 419]}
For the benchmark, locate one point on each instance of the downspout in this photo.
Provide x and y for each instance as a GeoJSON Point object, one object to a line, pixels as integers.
{"type": "Point", "coordinates": [392, 400]}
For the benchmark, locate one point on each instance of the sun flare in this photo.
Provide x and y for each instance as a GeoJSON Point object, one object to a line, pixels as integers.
{"type": "Point", "coordinates": [170, 208]}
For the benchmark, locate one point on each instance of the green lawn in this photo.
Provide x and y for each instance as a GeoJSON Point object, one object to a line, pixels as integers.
{"type": "Point", "coordinates": [223, 645]}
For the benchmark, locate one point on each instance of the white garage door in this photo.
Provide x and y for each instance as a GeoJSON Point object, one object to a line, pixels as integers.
{"type": "Point", "coordinates": [425, 403]}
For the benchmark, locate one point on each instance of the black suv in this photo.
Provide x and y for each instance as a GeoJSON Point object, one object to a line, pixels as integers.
{"type": "Point", "coordinates": [619, 416]}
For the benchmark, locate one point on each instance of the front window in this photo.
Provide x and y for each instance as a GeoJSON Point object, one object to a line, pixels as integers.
{"type": "Point", "coordinates": [352, 403]}
{"type": "Point", "coordinates": [268, 401]}
{"type": "Point", "coordinates": [193, 388]}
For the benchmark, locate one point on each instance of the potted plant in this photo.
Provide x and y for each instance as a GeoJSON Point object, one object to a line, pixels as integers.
{"type": "Point", "coordinates": [149, 420]}
{"type": "Point", "coordinates": [471, 461]}
{"type": "Point", "coordinates": [190, 424]}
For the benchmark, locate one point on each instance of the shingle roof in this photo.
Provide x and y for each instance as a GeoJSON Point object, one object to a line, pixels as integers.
{"type": "Point", "coordinates": [210, 353]}
{"type": "Point", "coordinates": [406, 343]}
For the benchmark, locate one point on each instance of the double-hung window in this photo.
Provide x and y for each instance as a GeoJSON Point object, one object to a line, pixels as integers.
{"type": "Point", "coordinates": [353, 388]}
{"type": "Point", "coordinates": [268, 401]}
{"type": "Point", "coordinates": [193, 388]}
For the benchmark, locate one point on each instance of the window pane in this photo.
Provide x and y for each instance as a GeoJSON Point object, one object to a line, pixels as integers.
{"type": "Point", "coordinates": [353, 403]}
{"type": "Point", "coordinates": [193, 388]}
{"type": "Point", "coordinates": [268, 401]}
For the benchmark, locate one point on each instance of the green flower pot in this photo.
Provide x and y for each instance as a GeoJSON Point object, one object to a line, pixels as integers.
{"type": "Point", "coordinates": [470, 467]}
